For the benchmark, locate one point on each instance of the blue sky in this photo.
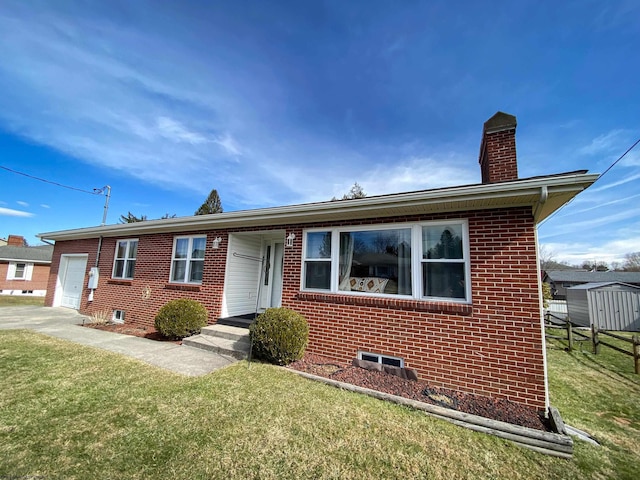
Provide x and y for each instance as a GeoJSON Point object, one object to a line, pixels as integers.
{"type": "Point", "coordinates": [276, 103]}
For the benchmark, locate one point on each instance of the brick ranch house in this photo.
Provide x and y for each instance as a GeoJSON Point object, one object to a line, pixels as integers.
{"type": "Point", "coordinates": [444, 281]}
{"type": "Point", "coordinates": [24, 270]}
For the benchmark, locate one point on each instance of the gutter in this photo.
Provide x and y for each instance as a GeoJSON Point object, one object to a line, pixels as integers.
{"type": "Point", "coordinates": [515, 193]}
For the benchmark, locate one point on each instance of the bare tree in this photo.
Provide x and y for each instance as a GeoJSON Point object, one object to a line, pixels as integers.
{"type": "Point", "coordinates": [631, 262]}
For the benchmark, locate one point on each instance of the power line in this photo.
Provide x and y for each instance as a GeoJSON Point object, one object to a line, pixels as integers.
{"type": "Point", "coordinates": [597, 179]}
{"type": "Point", "coordinates": [95, 191]}
{"type": "Point", "coordinates": [619, 158]}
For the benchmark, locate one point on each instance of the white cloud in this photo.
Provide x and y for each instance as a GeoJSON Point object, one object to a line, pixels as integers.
{"type": "Point", "coordinates": [22, 204]}
{"type": "Point", "coordinates": [578, 252]}
{"type": "Point", "coordinates": [607, 186]}
{"type": "Point", "coordinates": [175, 131]}
{"type": "Point", "coordinates": [44, 205]}
{"type": "Point", "coordinates": [229, 145]}
{"type": "Point", "coordinates": [14, 213]}
{"type": "Point", "coordinates": [606, 143]}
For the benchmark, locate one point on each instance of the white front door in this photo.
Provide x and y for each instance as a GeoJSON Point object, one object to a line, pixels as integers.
{"type": "Point", "coordinates": [271, 282]}
{"type": "Point", "coordinates": [72, 270]}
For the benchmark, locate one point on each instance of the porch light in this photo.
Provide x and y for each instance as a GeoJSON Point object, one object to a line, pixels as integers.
{"type": "Point", "coordinates": [290, 238]}
{"type": "Point", "coordinates": [216, 243]}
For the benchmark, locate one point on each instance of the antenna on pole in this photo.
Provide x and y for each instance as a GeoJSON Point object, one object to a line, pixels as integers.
{"type": "Point", "coordinates": [99, 191]}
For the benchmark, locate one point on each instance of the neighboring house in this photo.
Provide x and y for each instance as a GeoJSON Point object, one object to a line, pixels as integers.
{"type": "Point", "coordinates": [3, 242]}
{"type": "Point", "coordinates": [560, 280]}
{"type": "Point", "coordinates": [443, 281]}
{"type": "Point", "coordinates": [24, 270]}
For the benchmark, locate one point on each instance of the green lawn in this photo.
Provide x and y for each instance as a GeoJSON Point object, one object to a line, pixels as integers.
{"type": "Point", "coordinates": [19, 300]}
{"type": "Point", "coordinates": [69, 411]}
{"type": "Point", "coordinates": [601, 395]}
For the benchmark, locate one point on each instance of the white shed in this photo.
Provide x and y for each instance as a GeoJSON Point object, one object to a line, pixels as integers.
{"type": "Point", "coordinates": [608, 305]}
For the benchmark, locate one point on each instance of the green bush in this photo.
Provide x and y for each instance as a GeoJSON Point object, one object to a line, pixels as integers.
{"type": "Point", "coordinates": [181, 318]}
{"type": "Point", "coordinates": [279, 336]}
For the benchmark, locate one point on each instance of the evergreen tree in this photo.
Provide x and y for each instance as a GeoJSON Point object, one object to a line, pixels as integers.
{"type": "Point", "coordinates": [356, 191]}
{"type": "Point", "coordinates": [211, 205]}
{"type": "Point", "coordinates": [131, 218]}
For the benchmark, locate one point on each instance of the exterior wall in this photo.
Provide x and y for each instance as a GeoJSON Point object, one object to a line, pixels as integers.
{"type": "Point", "coordinates": [491, 347]}
{"type": "Point", "coordinates": [142, 297]}
{"type": "Point", "coordinates": [38, 282]}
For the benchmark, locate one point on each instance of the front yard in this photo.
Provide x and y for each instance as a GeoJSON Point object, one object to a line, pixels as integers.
{"type": "Point", "coordinates": [68, 411]}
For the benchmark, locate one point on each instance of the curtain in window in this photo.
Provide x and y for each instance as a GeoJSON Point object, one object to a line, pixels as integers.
{"type": "Point", "coordinates": [346, 259]}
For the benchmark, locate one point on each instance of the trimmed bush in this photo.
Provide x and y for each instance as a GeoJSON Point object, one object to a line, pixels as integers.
{"type": "Point", "coordinates": [279, 336]}
{"type": "Point", "coordinates": [181, 318]}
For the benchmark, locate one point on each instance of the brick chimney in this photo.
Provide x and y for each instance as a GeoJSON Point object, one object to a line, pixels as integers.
{"type": "Point", "coordinates": [498, 149]}
{"type": "Point", "coordinates": [15, 241]}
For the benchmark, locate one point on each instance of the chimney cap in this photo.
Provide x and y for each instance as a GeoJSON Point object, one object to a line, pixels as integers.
{"type": "Point", "coordinates": [500, 121]}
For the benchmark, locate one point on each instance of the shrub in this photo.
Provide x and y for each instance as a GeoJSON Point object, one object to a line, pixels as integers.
{"type": "Point", "coordinates": [279, 336]}
{"type": "Point", "coordinates": [181, 318]}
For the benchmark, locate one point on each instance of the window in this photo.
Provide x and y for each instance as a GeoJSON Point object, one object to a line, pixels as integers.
{"type": "Point", "coordinates": [422, 261]}
{"type": "Point", "coordinates": [187, 262]}
{"type": "Point", "coordinates": [125, 259]}
{"type": "Point", "coordinates": [19, 271]}
{"type": "Point", "coordinates": [118, 316]}
{"type": "Point", "coordinates": [383, 359]}
{"type": "Point", "coordinates": [443, 262]}
{"type": "Point", "coordinates": [317, 262]}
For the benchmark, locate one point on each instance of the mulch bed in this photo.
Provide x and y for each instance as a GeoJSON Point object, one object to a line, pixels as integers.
{"type": "Point", "coordinates": [143, 332]}
{"type": "Point", "coordinates": [494, 408]}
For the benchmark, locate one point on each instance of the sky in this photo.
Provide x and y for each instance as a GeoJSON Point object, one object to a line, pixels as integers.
{"type": "Point", "coordinates": [286, 102]}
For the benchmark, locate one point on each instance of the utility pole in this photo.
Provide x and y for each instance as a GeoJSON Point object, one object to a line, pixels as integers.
{"type": "Point", "coordinates": [99, 191]}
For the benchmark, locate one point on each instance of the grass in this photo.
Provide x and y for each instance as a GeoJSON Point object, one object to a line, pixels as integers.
{"type": "Point", "coordinates": [601, 395]}
{"type": "Point", "coordinates": [69, 411]}
{"type": "Point", "coordinates": [20, 300]}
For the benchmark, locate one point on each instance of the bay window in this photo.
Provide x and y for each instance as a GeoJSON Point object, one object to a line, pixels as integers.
{"type": "Point", "coordinates": [420, 261]}
{"type": "Point", "coordinates": [187, 262]}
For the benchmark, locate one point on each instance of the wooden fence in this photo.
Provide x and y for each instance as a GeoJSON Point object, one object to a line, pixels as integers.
{"type": "Point", "coordinates": [575, 333]}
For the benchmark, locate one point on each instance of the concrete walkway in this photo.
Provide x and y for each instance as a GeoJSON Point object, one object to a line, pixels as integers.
{"type": "Point", "coordinates": [65, 323]}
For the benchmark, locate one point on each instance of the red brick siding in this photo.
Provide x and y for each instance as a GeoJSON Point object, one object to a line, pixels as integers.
{"type": "Point", "coordinates": [498, 161]}
{"type": "Point", "coordinates": [39, 278]}
{"type": "Point", "coordinates": [491, 347]}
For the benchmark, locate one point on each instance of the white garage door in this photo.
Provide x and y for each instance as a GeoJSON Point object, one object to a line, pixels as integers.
{"type": "Point", "coordinates": [72, 280]}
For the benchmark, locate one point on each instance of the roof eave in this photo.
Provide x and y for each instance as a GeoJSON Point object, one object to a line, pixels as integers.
{"type": "Point", "coordinates": [527, 192]}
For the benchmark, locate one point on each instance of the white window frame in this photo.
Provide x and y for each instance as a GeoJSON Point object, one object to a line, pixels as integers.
{"type": "Point", "coordinates": [188, 259]}
{"type": "Point", "coordinates": [306, 258]}
{"type": "Point", "coordinates": [380, 357]}
{"type": "Point", "coordinates": [417, 286]}
{"type": "Point", "coordinates": [118, 316]}
{"type": "Point", "coordinates": [27, 272]}
{"type": "Point", "coordinates": [126, 258]}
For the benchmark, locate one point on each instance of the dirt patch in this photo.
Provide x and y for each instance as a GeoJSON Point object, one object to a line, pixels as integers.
{"type": "Point", "coordinates": [136, 331]}
{"type": "Point", "coordinates": [494, 408]}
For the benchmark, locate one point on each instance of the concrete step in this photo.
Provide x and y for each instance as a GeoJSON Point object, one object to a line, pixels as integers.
{"type": "Point", "coordinates": [226, 331]}
{"type": "Point", "coordinates": [234, 348]}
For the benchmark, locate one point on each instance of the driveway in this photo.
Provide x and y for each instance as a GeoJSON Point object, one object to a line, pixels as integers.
{"type": "Point", "coordinates": [65, 323]}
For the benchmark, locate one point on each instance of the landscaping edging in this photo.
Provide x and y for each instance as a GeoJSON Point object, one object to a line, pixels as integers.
{"type": "Point", "coordinates": [555, 444]}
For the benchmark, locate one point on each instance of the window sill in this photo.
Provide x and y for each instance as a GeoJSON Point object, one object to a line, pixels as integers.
{"type": "Point", "coordinates": [186, 287]}
{"type": "Point", "coordinates": [386, 302]}
{"type": "Point", "coordinates": [118, 281]}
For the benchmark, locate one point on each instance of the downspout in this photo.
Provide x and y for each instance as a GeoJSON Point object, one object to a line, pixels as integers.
{"type": "Point", "coordinates": [544, 195]}
{"type": "Point", "coordinates": [99, 249]}
{"type": "Point", "coordinates": [96, 266]}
